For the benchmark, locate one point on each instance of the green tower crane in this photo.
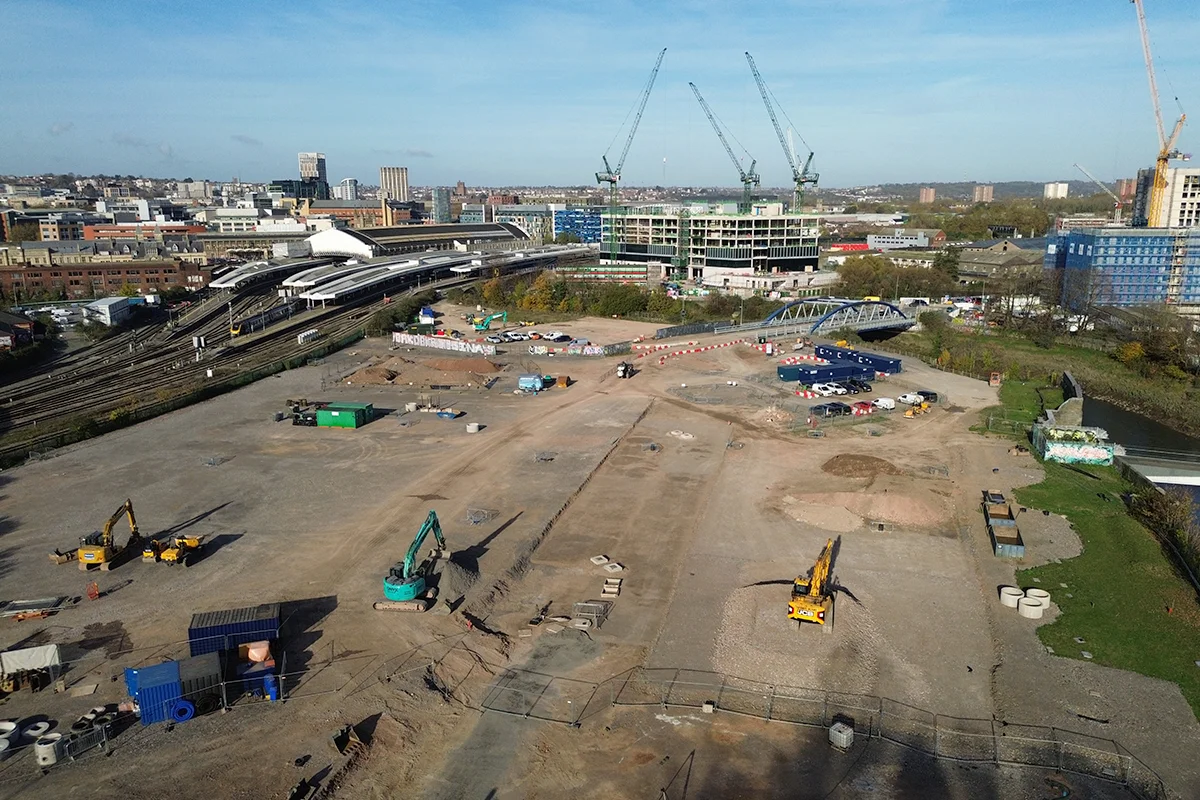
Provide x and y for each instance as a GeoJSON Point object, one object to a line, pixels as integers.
{"type": "Point", "coordinates": [612, 176]}
{"type": "Point", "coordinates": [800, 175]}
{"type": "Point", "coordinates": [749, 177]}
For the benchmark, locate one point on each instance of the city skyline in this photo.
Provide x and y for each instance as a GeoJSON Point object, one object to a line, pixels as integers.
{"type": "Point", "coordinates": [882, 94]}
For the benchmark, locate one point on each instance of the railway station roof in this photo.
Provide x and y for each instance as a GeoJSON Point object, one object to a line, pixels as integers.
{"type": "Point", "coordinates": [367, 243]}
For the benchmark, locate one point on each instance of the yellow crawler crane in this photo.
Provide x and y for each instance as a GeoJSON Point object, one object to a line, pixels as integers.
{"type": "Point", "coordinates": [812, 597]}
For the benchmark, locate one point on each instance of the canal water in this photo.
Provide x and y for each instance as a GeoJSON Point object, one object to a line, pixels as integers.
{"type": "Point", "coordinates": [1142, 436]}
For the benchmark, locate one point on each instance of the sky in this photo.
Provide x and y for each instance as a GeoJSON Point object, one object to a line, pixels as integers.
{"type": "Point", "coordinates": [534, 93]}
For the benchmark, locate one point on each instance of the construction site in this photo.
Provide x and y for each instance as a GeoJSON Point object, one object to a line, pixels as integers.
{"type": "Point", "coordinates": [621, 580]}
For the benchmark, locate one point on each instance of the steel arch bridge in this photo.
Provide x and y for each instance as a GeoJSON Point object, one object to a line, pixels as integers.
{"type": "Point", "coordinates": [829, 314]}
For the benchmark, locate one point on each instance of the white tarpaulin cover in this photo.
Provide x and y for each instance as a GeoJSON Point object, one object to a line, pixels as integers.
{"type": "Point", "coordinates": [30, 658]}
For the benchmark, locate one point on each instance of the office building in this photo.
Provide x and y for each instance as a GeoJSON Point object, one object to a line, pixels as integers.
{"type": "Point", "coordinates": [393, 183]}
{"type": "Point", "coordinates": [928, 194]}
{"type": "Point", "coordinates": [1055, 191]}
{"type": "Point", "coordinates": [1181, 199]}
{"type": "Point", "coordinates": [441, 204]}
{"type": "Point", "coordinates": [476, 213]}
{"type": "Point", "coordinates": [984, 193]}
{"type": "Point", "coordinates": [312, 167]}
{"type": "Point", "coordinates": [534, 220]}
{"type": "Point", "coordinates": [306, 188]}
{"type": "Point", "coordinates": [68, 226]}
{"type": "Point", "coordinates": [346, 190]}
{"type": "Point", "coordinates": [704, 241]}
{"type": "Point", "coordinates": [1127, 267]}
{"type": "Point", "coordinates": [901, 238]}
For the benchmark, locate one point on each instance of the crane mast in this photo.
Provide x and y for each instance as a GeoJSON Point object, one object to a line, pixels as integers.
{"type": "Point", "coordinates": [612, 176]}
{"type": "Point", "coordinates": [1166, 145]}
{"type": "Point", "coordinates": [1116, 200]}
{"type": "Point", "coordinates": [800, 176]}
{"type": "Point", "coordinates": [749, 178]}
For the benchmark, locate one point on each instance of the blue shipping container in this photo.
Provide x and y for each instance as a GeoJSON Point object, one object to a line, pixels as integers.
{"type": "Point", "coordinates": [158, 688]}
{"type": "Point", "coordinates": [224, 630]}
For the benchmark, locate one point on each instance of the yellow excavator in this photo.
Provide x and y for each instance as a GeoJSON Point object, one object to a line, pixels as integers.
{"type": "Point", "coordinates": [98, 549]}
{"type": "Point", "coordinates": [812, 597]}
{"type": "Point", "coordinates": [917, 410]}
{"type": "Point", "coordinates": [176, 550]}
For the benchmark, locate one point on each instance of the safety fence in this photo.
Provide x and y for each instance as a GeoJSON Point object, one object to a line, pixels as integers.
{"type": "Point", "coordinates": [439, 343]}
{"type": "Point", "coordinates": [690, 329]}
{"type": "Point", "coordinates": [944, 737]}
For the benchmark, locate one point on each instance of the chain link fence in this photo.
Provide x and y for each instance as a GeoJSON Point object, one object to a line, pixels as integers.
{"type": "Point", "coordinates": [952, 738]}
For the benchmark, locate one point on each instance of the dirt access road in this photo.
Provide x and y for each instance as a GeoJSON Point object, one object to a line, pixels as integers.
{"type": "Point", "coordinates": [703, 493]}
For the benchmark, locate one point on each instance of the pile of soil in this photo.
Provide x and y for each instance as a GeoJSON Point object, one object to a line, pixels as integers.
{"type": "Point", "coordinates": [847, 465]}
{"type": "Point", "coordinates": [456, 580]}
{"type": "Point", "coordinates": [477, 365]}
{"type": "Point", "coordinates": [372, 376]}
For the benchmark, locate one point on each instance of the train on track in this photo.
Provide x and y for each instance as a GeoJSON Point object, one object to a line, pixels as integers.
{"type": "Point", "coordinates": [261, 320]}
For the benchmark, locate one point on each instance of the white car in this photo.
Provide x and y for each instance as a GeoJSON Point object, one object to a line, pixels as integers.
{"type": "Point", "coordinates": [827, 389]}
{"type": "Point", "coordinates": [494, 339]}
{"type": "Point", "coordinates": [910, 399]}
{"type": "Point", "coordinates": [886, 403]}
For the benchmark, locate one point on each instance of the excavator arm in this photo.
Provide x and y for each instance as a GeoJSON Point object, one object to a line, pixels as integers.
{"type": "Point", "coordinates": [106, 536]}
{"type": "Point", "coordinates": [431, 525]}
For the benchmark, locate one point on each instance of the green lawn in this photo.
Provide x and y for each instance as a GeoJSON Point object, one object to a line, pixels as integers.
{"type": "Point", "coordinates": [1118, 591]}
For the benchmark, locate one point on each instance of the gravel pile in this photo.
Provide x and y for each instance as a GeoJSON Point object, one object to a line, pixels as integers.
{"type": "Point", "coordinates": [758, 642]}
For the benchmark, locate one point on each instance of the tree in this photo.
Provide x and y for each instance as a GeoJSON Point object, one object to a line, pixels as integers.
{"type": "Point", "coordinates": [1130, 352]}
{"type": "Point", "coordinates": [24, 232]}
{"type": "Point", "coordinates": [494, 294]}
{"type": "Point", "coordinates": [946, 262]}
{"type": "Point", "coordinates": [566, 237]}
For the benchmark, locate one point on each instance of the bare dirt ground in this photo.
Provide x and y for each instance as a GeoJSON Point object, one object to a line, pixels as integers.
{"type": "Point", "coordinates": [710, 502]}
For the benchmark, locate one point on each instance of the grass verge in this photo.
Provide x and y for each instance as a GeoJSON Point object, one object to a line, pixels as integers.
{"type": "Point", "coordinates": [1116, 595]}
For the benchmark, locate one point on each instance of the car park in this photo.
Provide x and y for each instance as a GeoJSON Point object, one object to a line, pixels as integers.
{"type": "Point", "coordinates": [930, 397]}
{"type": "Point", "coordinates": [886, 403]}
{"type": "Point", "coordinates": [910, 399]}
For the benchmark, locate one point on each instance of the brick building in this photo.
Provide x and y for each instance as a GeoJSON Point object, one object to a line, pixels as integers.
{"type": "Point", "coordinates": [78, 281]}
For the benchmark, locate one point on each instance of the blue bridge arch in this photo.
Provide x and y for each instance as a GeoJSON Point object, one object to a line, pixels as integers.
{"type": "Point", "coordinates": [829, 314]}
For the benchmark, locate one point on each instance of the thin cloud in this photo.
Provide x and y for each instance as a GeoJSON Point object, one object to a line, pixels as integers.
{"type": "Point", "coordinates": [409, 153]}
{"type": "Point", "coordinates": [128, 140]}
{"type": "Point", "coordinates": [249, 141]}
{"type": "Point", "coordinates": [59, 128]}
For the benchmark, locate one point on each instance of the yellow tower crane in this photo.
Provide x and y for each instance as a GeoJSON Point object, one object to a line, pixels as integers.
{"type": "Point", "coordinates": [1155, 215]}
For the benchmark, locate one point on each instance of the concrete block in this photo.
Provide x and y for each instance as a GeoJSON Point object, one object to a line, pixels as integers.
{"type": "Point", "coordinates": [612, 581]}
{"type": "Point", "coordinates": [581, 623]}
{"type": "Point", "coordinates": [553, 629]}
{"type": "Point", "coordinates": [524, 633]}
{"type": "Point", "coordinates": [709, 707]}
{"type": "Point", "coordinates": [598, 560]}
{"type": "Point", "coordinates": [613, 567]}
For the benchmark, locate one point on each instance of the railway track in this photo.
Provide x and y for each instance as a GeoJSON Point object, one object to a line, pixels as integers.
{"type": "Point", "coordinates": [108, 377]}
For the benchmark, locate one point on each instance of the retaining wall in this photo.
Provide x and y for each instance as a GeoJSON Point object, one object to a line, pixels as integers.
{"type": "Point", "coordinates": [438, 343]}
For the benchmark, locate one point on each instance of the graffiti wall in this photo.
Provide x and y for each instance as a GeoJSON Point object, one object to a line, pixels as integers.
{"type": "Point", "coordinates": [437, 342]}
{"type": "Point", "coordinates": [1072, 445]}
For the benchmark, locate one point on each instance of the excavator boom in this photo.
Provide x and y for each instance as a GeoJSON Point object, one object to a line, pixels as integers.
{"type": "Point", "coordinates": [99, 549]}
{"type": "Point", "coordinates": [812, 600]}
{"type": "Point", "coordinates": [405, 583]}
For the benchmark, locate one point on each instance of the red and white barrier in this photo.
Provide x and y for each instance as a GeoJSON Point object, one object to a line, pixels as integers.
{"type": "Point", "coordinates": [762, 348]}
{"type": "Point", "coordinates": [663, 359]}
{"type": "Point", "coordinates": [791, 360]}
{"type": "Point", "coordinates": [860, 412]}
{"type": "Point", "coordinates": [805, 393]}
{"type": "Point", "coordinates": [656, 347]}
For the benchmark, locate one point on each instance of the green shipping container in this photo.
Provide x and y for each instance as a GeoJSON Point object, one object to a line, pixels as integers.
{"type": "Point", "coordinates": [340, 418]}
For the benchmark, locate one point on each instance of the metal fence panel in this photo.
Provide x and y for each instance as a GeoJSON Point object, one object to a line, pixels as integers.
{"type": "Point", "coordinates": [684, 330]}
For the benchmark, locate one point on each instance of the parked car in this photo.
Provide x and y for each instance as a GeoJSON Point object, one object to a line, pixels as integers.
{"type": "Point", "coordinates": [862, 406]}
{"type": "Point", "coordinates": [850, 388]}
{"type": "Point", "coordinates": [518, 336]}
{"type": "Point", "coordinates": [820, 412]}
{"type": "Point", "coordinates": [930, 397]}
{"type": "Point", "coordinates": [861, 385]}
{"type": "Point", "coordinates": [494, 339]}
{"type": "Point", "coordinates": [841, 410]}
{"type": "Point", "coordinates": [561, 338]}
{"type": "Point", "coordinates": [825, 389]}
{"type": "Point", "coordinates": [910, 399]}
{"type": "Point", "coordinates": [886, 403]}
{"type": "Point", "coordinates": [534, 334]}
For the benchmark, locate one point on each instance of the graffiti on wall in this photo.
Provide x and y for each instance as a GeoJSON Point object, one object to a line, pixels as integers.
{"type": "Point", "coordinates": [417, 340]}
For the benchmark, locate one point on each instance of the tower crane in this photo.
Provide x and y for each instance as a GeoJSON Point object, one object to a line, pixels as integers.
{"type": "Point", "coordinates": [1166, 145]}
{"type": "Point", "coordinates": [612, 176]}
{"type": "Point", "coordinates": [749, 177]}
{"type": "Point", "coordinates": [800, 175]}
{"type": "Point", "coordinates": [1116, 200]}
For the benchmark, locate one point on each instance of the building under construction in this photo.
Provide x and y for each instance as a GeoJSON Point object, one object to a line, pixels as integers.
{"type": "Point", "coordinates": [700, 241]}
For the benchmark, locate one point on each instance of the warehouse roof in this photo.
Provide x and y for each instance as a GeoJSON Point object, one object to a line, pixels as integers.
{"type": "Point", "coordinates": [372, 242]}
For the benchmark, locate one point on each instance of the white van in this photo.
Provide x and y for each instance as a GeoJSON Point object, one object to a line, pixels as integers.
{"type": "Point", "coordinates": [886, 403]}
{"type": "Point", "coordinates": [910, 399]}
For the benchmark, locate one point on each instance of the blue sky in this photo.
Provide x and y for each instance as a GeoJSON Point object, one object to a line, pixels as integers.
{"type": "Point", "coordinates": [500, 92]}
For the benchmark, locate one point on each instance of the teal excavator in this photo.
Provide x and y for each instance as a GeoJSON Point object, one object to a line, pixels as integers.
{"type": "Point", "coordinates": [486, 323]}
{"type": "Point", "coordinates": [405, 586]}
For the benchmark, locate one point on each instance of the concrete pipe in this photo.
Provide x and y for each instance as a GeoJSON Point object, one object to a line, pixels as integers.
{"type": "Point", "coordinates": [35, 731]}
{"type": "Point", "coordinates": [1030, 608]}
{"type": "Point", "coordinates": [472, 427]}
{"type": "Point", "coordinates": [1010, 596]}
{"type": "Point", "coordinates": [45, 749]}
{"type": "Point", "coordinates": [7, 729]}
{"type": "Point", "coordinates": [1039, 594]}
{"type": "Point", "coordinates": [410, 407]}
{"type": "Point", "coordinates": [5, 748]}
